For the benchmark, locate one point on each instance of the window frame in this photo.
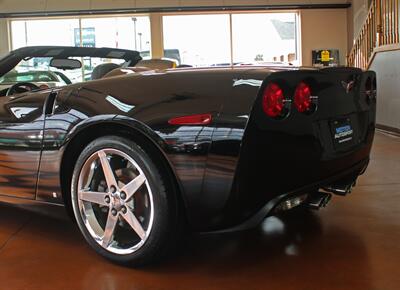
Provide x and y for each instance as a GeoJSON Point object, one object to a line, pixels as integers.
{"type": "Point", "coordinates": [157, 33]}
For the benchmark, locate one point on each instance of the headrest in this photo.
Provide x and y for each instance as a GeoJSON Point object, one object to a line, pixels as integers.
{"type": "Point", "coordinates": [125, 71]}
{"type": "Point", "coordinates": [103, 69]}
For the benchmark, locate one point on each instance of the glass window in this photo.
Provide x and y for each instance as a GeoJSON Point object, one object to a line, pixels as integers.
{"type": "Point", "coordinates": [44, 32]}
{"type": "Point", "coordinates": [198, 40]}
{"type": "Point", "coordinates": [117, 32]}
{"type": "Point", "coordinates": [264, 37]}
{"type": "Point", "coordinates": [32, 76]}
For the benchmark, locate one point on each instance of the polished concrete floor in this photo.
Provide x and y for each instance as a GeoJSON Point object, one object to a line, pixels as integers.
{"type": "Point", "coordinates": [352, 244]}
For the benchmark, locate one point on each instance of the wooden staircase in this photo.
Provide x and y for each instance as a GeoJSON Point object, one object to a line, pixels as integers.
{"type": "Point", "coordinates": [379, 32]}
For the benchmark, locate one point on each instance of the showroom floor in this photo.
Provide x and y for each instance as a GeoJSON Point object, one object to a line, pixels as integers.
{"type": "Point", "coordinates": [352, 244]}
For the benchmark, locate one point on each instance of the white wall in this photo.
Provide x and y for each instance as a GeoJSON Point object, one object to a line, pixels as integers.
{"type": "Point", "coordinates": [385, 64]}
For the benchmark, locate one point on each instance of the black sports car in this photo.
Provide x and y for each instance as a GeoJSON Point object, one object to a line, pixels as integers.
{"type": "Point", "coordinates": [136, 155]}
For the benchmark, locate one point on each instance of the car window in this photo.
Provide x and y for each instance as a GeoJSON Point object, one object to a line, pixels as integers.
{"type": "Point", "coordinates": [63, 78]}
{"type": "Point", "coordinates": [38, 70]}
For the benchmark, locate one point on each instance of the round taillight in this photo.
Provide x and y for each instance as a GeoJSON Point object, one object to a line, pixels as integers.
{"type": "Point", "coordinates": [273, 101]}
{"type": "Point", "coordinates": [302, 98]}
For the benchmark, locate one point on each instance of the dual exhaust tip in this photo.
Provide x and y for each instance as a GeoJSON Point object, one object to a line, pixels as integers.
{"type": "Point", "coordinates": [315, 200]}
{"type": "Point", "coordinates": [319, 200]}
{"type": "Point", "coordinates": [343, 189]}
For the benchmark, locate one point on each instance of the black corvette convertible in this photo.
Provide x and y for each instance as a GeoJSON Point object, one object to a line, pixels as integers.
{"type": "Point", "coordinates": [136, 155]}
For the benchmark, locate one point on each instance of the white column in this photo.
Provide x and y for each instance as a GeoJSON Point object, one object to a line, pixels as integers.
{"type": "Point", "coordinates": [4, 37]}
{"type": "Point", "coordinates": [157, 37]}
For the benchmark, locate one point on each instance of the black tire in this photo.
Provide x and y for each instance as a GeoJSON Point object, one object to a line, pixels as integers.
{"type": "Point", "coordinates": [164, 231]}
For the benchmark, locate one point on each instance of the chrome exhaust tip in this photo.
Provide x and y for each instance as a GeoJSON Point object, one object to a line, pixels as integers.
{"type": "Point", "coordinates": [319, 199]}
{"type": "Point", "coordinates": [340, 189]}
{"type": "Point", "coordinates": [291, 203]}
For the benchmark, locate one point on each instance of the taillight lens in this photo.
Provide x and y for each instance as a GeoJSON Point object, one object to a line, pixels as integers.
{"type": "Point", "coordinates": [302, 98]}
{"type": "Point", "coordinates": [273, 101]}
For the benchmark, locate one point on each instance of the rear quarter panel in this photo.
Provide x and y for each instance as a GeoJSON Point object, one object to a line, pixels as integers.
{"type": "Point", "coordinates": [203, 157]}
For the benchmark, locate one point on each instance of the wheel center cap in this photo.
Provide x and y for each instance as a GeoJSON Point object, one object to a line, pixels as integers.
{"type": "Point", "coordinates": [117, 202]}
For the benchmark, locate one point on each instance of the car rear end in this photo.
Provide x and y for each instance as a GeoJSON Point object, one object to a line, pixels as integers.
{"type": "Point", "coordinates": [309, 131]}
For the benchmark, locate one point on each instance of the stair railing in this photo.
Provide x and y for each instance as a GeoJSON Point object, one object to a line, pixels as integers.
{"type": "Point", "coordinates": [381, 27]}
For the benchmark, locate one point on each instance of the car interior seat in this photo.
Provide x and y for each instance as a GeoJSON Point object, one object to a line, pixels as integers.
{"type": "Point", "coordinates": [101, 70]}
{"type": "Point", "coordinates": [125, 71]}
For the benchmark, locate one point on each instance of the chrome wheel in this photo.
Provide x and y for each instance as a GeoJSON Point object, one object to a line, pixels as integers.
{"type": "Point", "coordinates": [115, 201]}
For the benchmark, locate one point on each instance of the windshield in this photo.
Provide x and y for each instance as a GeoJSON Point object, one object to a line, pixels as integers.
{"type": "Point", "coordinates": [38, 70]}
{"type": "Point", "coordinates": [34, 76]}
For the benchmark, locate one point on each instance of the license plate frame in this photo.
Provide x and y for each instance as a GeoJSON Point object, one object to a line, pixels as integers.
{"type": "Point", "coordinates": [343, 133]}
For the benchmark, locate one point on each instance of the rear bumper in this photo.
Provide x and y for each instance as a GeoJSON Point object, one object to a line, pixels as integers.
{"type": "Point", "coordinates": [349, 175]}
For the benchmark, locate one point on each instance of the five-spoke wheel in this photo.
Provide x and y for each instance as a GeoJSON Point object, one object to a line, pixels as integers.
{"type": "Point", "coordinates": [119, 196]}
{"type": "Point", "coordinates": [120, 201]}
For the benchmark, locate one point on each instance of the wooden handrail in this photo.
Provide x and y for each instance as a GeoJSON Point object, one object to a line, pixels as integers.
{"type": "Point", "coordinates": [381, 27]}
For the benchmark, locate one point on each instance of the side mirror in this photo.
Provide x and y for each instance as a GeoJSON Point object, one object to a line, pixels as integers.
{"type": "Point", "coordinates": [65, 63]}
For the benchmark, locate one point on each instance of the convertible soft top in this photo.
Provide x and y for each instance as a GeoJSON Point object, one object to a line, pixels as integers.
{"type": "Point", "coordinates": [14, 57]}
